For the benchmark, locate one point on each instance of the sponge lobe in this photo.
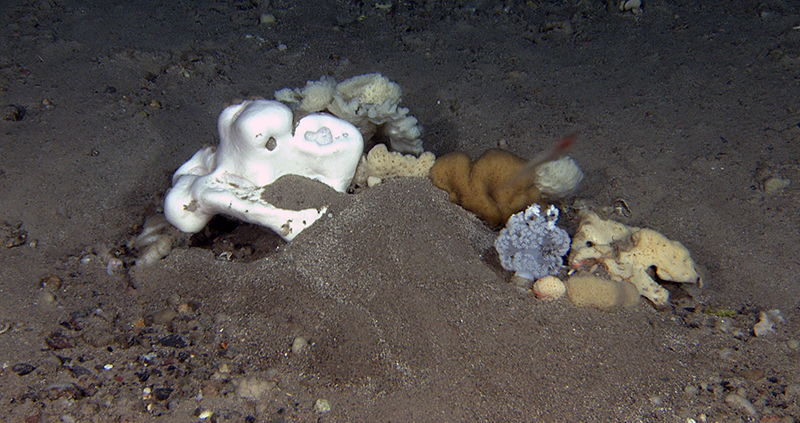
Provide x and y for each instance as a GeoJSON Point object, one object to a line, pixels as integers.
{"type": "Point", "coordinates": [489, 187]}
{"type": "Point", "coordinates": [380, 164]}
{"type": "Point", "coordinates": [587, 290]}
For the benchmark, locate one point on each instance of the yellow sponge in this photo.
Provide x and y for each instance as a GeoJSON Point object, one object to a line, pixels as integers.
{"type": "Point", "coordinates": [380, 164]}
{"type": "Point", "coordinates": [490, 187]}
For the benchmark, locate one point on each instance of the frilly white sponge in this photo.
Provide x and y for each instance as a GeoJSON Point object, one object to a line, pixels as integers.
{"type": "Point", "coordinates": [531, 244]}
{"type": "Point", "coordinates": [371, 102]}
{"type": "Point", "coordinates": [258, 145]}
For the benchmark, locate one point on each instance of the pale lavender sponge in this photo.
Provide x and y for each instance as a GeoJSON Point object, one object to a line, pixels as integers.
{"type": "Point", "coordinates": [531, 244]}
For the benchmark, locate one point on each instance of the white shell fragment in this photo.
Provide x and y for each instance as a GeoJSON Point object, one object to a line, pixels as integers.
{"type": "Point", "coordinates": [767, 321]}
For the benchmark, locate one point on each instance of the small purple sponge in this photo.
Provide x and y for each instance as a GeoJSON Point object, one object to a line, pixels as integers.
{"type": "Point", "coordinates": [531, 244]}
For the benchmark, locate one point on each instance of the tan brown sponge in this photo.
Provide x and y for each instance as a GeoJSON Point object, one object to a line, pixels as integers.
{"type": "Point", "coordinates": [490, 187]}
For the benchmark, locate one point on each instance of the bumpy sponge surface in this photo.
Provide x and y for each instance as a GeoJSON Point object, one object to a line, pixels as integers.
{"type": "Point", "coordinates": [380, 164]}
{"type": "Point", "coordinates": [531, 244]}
{"type": "Point", "coordinates": [490, 187]}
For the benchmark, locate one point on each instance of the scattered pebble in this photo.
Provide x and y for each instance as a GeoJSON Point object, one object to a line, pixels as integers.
{"type": "Point", "coordinates": [753, 374]}
{"type": "Point", "coordinates": [299, 345]}
{"type": "Point", "coordinates": [115, 267]}
{"type": "Point", "coordinates": [743, 403]}
{"type": "Point", "coordinates": [767, 321]}
{"type": "Point", "coordinates": [775, 185]}
{"type": "Point", "coordinates": [51, 283]}
{"type": "Point", "coordinates": [165, 316]}
{"type": "Point", "coordinates": [174, 299]}
{"type": "Point", "coordinates": [13, 112]}
{"type": "Point", "coordinates": [173, 341]}
{"type": "Point", "coordinates": [253, 387]}
{"type": "Point", "coordinates": [23, 369]}
{"type": "Point", "coordinates": [162, 394]}
{"type": "Point", "coordinates": [57, 341]}
{"type": "Point", "coordinates": [221, 318]}
{"type": "Point", "coordinates": [727, 354]}
{"type": "Point", "coordinates": [150, 357]}
{"type": "Point", "coordinates": [322, 406]}
{"type": "Point", "coordinates": [13, 235]}
{"type": "Point", "coordinates": [267, 19]}
{"type": "Point", "coordinates": [522, 284]}
{"type": "Point", "coordinates": [634, 6]}
{"type": "Point", "coordinates": [47, 297]}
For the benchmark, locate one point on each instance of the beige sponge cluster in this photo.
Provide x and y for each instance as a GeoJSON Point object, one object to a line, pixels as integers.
{"type": "Point", "coordinates": [381, 164]}
{"type": "Point", "coordinates": [587, 290]}
{"type": "Point", "coordinates": [639, 256]}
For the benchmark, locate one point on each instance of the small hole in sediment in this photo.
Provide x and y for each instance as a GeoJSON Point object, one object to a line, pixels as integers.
{"type": "Point", "coordinates": [272, 143]}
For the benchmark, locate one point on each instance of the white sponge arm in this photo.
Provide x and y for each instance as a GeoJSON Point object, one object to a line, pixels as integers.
{"type": "Point", "coordinates": [258, 146]}
{"type": "Point", "coordinates": [194, 200]}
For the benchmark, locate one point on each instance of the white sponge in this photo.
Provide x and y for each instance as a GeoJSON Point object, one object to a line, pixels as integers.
{"type": "Point", "coordinates": [370, 102]}
{"type": "Point", "coordinates": [558, 178]}
{"type": "Point", "coordinates": [258, 145]}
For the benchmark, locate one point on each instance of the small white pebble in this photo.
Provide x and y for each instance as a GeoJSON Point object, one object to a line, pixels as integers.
{"type": "Point", "coordinates": [47, 297]}
{"type": "Point", "coordinates": [267, 19]}
{"type": "Point", "coordinates": [743, 403]}
{"type": "Point", "coordinates": [322, 406]}
{"type": "Point", "coordinates": [282, 47]}
{"type": "Point", "coordinates": [205, 414]}
{"type": "Point", "coordinates": [299, 345]}
{"type": "Point", "coordinates": [726, 354]}
{"type": "Point", "coordinates": [108, 366]}
{"type": "Point", "coordinates": [114, 267]}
